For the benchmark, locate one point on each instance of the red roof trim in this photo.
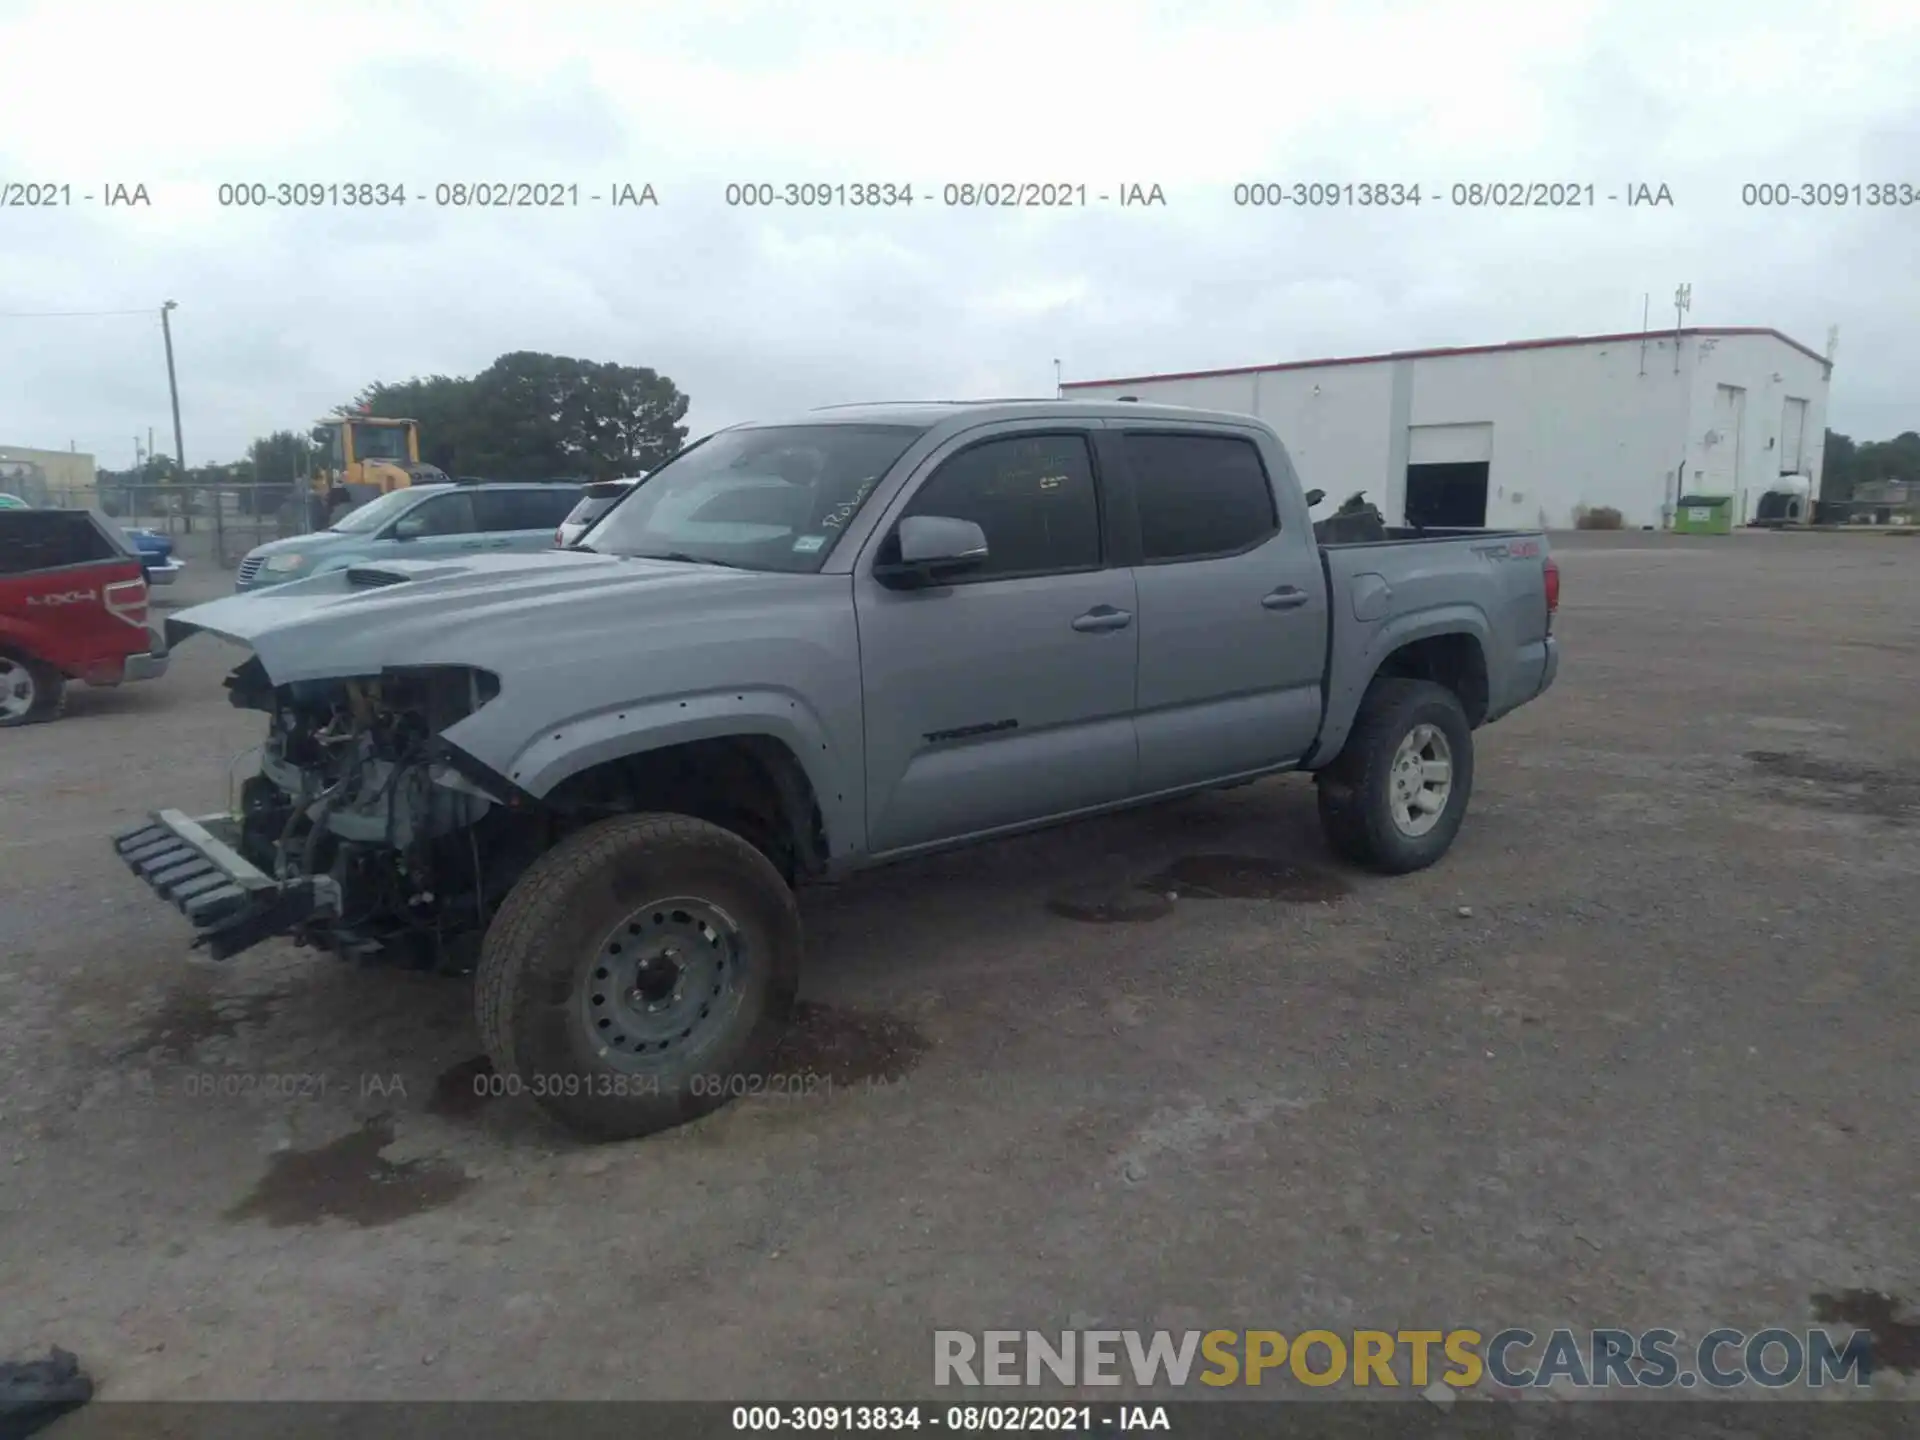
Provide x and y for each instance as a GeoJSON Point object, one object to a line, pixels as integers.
{"type": "Point", "coordinates": [1551, 344]}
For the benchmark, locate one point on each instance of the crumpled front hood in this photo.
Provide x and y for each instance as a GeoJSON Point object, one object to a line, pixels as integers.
{"type": "Point", "coordinates": [471, 610]}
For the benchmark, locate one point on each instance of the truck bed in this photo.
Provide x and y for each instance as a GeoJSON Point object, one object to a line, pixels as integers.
{"type": "Point", "coordinates": [1484, 588]}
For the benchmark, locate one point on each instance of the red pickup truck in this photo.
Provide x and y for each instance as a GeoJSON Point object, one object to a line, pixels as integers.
{"type": "Point", "coordinates": [73, 606]}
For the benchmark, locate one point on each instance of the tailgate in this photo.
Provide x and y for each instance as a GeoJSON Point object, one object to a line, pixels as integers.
{"type": "Point", "coordinates": [231, 902]}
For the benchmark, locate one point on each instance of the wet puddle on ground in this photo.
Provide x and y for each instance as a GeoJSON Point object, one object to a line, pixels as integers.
{"type": "Point", "coordinates": [462, 1089]}
{"type": "Point", "coordinates": [349, 1179]}
{"type": "Point", "coordinates": [847, 1047]}
{"type": "Point", "coordinates": [1894, 1325]}
{"type": "Point", "coordinates": [1824, 784]}
{"type": "Point", "coordinates": [1201, 877]}
{"type": "Point", "coordinates": [190, 1016]}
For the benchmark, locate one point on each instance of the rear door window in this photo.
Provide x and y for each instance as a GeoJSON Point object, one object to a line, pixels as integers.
{"type": "Point", "coordinates": [541, 509]}
{"type": "Point", "coordinates": [1199, 496]}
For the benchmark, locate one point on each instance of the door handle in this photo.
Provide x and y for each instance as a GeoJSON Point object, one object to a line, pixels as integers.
{"type": "Point", "coordinates": [1103, 617]}
{"type": "Point", "coordinates": [1287, 597]}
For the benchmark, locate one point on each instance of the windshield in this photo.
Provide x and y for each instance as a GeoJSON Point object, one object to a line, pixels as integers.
{"type": "Point", "coordinates": [380, 442]}
{"type": "Point", "coordinates": [771, 498]}
{"type": "Point", "coordinates": [375, 513]}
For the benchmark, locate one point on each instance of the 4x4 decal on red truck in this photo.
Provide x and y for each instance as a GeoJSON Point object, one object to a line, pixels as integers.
{"type": "Point", "coordinates": [65, 597]}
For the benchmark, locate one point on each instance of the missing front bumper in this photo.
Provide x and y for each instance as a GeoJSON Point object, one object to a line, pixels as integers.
{"type": "Point", "coordinates": [232, 904]}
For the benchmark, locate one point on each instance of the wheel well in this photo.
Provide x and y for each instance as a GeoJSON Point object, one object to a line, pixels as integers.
{"type": "Point", "coordinates": [752, 785]}
{"type": "Point", "coordinates": [1455, 661]}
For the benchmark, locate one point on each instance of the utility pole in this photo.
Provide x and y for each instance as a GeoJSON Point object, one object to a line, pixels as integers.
{"type": "Point", "coordinates": [173, 390]}
{"type": "Point", "coordinates": [1682, 302]}
{"type": "Point", "coordinates": [1058, 388]}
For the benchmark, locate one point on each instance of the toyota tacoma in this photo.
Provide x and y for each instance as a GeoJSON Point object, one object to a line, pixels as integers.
{"type": "Point", "coordinates": [593, 777]}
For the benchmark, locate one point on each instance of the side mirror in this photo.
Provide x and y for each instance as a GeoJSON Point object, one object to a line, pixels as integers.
{"type": "Point", "coordinates": [408, 527]}
{"type": "Point", "coordinates": [1314, 497]}
{"type": "Point", "coordinates": [931, 550]}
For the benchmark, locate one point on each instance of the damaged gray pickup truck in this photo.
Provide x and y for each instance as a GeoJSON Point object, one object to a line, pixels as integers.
{"type": "Point", "coordinates": [593, 777]}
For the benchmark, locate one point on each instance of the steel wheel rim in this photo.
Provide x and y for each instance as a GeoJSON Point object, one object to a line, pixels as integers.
{"type": "Point", "coordinates": [1420, 781]}
{"type": "Point", "coordinates": [16, 689]}
{"type": "Point", "coordinates": [662, 984]}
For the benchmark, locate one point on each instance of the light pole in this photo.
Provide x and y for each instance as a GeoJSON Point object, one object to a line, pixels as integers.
{"type": "Point", "coordinates": [173, 389]}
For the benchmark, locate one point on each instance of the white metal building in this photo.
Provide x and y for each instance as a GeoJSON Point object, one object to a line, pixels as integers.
{"type": "Point", "coordinates": [1529, 433]}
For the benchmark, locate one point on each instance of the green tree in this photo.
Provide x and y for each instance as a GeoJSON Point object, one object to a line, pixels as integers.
{"type": "Point", "coordinates": [1895, 459]}
{"type": "Point", "coordinates": [281, 458]}
{"type": "Point", "coordinates": [443, 406]}
{"type": "Point", "coordinates": [529, 416]}
{"type": "Point", "coordinates": [1846, 466]}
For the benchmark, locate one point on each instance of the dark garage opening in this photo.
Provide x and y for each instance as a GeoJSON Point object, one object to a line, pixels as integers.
{"type": "Point", "coordinates": [1447, 495]}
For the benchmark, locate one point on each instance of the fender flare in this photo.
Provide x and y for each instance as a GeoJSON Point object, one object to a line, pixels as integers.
{"type": "Point", "coordinates": [1347, 686]}
{"type": "Point", "coordinates": [567, 747]}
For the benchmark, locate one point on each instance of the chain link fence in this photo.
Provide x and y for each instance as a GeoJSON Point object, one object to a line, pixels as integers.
{"type": "Point", "coordinates": [211, 524]}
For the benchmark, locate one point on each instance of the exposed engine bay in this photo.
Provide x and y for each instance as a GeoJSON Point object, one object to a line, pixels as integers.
{"type": "Point", "coordinates": [357, 793]}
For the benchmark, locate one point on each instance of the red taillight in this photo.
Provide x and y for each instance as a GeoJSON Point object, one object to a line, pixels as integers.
{"type": "Point", "coordinates": [127, 599]}
{"type": "Point", "coordinates": [1553, 584]}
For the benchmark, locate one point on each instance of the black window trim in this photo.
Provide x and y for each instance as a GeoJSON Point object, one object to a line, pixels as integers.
{"type": "Point", "coordinates": [1081, 432]}
{"type": "Point", "coordinates": [1185, 432]}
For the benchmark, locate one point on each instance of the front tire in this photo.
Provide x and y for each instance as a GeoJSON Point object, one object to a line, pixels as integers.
{"type": "Point", "coordinates": [1394, 798]}
{"type": "Point", "coordinates": [30, 691]}
{"type": "Point", "coordinates": [638, 974]}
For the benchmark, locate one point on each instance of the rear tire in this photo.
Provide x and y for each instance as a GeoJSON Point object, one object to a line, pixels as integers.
{"type": "Point", "coordinates": [1394, 798]}
{"type": "Point", "coordinates": [639, 975]}
{"type": "Point", "coordinates": [30, 690]}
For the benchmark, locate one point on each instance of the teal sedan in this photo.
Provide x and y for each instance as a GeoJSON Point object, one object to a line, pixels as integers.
{"type": "Point", "coordinates": [418, 523]}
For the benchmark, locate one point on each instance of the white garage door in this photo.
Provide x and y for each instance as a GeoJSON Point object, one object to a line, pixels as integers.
{"type": "Point", "coordinates": [1449, 444]}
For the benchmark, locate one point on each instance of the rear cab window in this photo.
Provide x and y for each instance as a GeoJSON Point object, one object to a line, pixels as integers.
{"type": "Point", "coordinates": [49, 539]}
{"type": "Point", "coordinates": [1199, 496]}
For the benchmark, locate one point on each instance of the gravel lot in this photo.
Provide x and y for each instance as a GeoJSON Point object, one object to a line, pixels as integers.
{"type": "Point", "coordinates": [1640, 1052]}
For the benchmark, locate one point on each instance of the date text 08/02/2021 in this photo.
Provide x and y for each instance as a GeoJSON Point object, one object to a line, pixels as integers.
{"type": "Point", "coordinates": [952, 194]}
{"type": "Point", "coordinates": [955, 1419]}
{"type": "Point", "coordinates": [445, 194]}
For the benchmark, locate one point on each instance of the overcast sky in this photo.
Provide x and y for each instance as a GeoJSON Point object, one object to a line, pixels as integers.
{"type": "Point", "coordinates": [755, 311]}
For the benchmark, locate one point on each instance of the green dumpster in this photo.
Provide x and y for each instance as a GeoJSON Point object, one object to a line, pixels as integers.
{"type": "Point", "coordinates": [1703, 515]}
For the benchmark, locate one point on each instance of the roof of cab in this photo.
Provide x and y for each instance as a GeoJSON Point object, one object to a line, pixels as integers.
{"type": "Point", "coordinates": [961, 414]}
